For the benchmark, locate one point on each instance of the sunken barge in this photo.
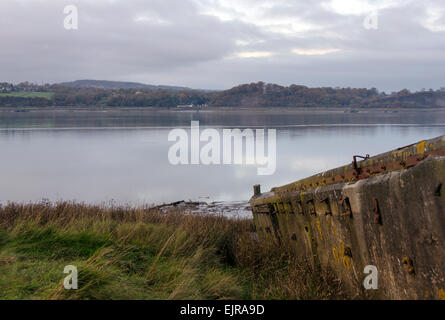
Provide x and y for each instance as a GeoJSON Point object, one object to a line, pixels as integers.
{"type": "Point", "coordinates": [385, 211]}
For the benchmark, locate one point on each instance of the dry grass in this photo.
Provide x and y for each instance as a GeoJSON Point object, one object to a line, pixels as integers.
{"type": "Point", "coordinates": [141, 253]}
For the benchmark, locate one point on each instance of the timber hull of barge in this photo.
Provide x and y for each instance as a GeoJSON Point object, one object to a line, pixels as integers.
{"type": "Point", "coordinates": [386, 211]}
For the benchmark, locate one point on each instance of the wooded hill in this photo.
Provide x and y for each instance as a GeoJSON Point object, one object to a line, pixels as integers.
{"type": "Point", "coordinates": [257, 94]}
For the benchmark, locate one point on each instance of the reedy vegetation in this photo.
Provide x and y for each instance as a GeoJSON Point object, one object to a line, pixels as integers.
{"type": "Point", "coordinates": [142, 253]}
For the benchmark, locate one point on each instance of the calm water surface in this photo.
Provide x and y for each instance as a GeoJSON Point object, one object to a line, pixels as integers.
{"type": "Point", "coordinates": [103, 156]}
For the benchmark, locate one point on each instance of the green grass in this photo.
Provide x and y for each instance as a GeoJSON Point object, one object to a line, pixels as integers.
{"type": "Point", "coordinates": [28, 94]}
{"type": "Point", "coordinates": [140, 253]}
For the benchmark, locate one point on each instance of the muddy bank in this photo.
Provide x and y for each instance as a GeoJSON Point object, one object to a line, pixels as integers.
{"type": "Point", "coordinates": [229, 209]}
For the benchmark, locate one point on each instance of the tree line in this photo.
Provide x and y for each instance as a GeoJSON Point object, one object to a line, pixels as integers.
{"type": "Point", "coordinates": [257, 94]}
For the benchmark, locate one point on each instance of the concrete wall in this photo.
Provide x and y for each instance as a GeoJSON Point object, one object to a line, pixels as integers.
{"type": "Point", "coordinates": [394, 221]}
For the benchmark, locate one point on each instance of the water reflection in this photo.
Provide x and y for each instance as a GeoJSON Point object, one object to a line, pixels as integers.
{"type": "Point", "coordinates": [130, 165]}
{"type": "Point", "coordinates": [72, 118]}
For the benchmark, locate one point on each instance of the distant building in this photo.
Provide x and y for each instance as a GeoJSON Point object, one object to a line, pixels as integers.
{"type": "Point", "coordinates": [199, 106]}
{"type": "Point", "coordinates": [6, 87]}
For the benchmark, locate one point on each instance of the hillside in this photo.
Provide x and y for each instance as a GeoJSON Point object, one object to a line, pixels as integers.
{"type": "Point", "coordinates": [260, 94]}
{"type": "Point", "coordinates": [105, 84]}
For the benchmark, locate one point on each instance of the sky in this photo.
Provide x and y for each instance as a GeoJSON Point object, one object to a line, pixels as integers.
{"type": "Point", "coordinates": [218, 44]}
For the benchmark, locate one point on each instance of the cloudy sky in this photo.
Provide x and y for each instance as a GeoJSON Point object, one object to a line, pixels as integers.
{"type": "Point", "coordinates": [217, 44]}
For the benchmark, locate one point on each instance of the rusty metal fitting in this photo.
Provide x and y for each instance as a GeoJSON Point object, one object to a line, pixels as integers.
{"type": "Point", "coordinates": [409, 266]}
{"type": "Point", "coordinates": [376, 210]}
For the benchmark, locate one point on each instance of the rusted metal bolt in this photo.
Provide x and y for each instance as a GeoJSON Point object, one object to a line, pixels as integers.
{"type": "Point", "coordinates": [346, 207]}
{"type": "Point", "coordinates": [257, 190]}
{"type": "Point", "coordinates": [311, 207]}
{"type": "Point", "coordinates": [348, 252]}
{"type": "Point", "coordinates": [409, 266]}
{"type": "Point", "coordinates": [328, 211]}
{"type": "Point", "coordinates": [438, 190]}
{"type": "Point", "coordinates": [376, 209]}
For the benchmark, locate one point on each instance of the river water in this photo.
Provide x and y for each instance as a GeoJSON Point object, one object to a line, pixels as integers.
{"type": "Point", "coordinates": [122, 155]}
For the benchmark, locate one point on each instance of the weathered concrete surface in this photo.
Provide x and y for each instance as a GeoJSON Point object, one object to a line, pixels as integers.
{"type": "Point", "coordinates": [401, 158]}
{"type": "Point", "coordinates": [394, 221]}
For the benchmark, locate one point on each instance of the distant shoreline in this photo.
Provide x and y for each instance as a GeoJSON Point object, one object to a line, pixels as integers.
{"type": "Point", "coordinates": [225, 109]}
{"type": "Point", "coordinates": [122, 117]}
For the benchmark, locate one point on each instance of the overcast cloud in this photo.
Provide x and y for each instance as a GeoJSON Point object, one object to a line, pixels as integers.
{"type": "Point", "coordinates": [217, 44]}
